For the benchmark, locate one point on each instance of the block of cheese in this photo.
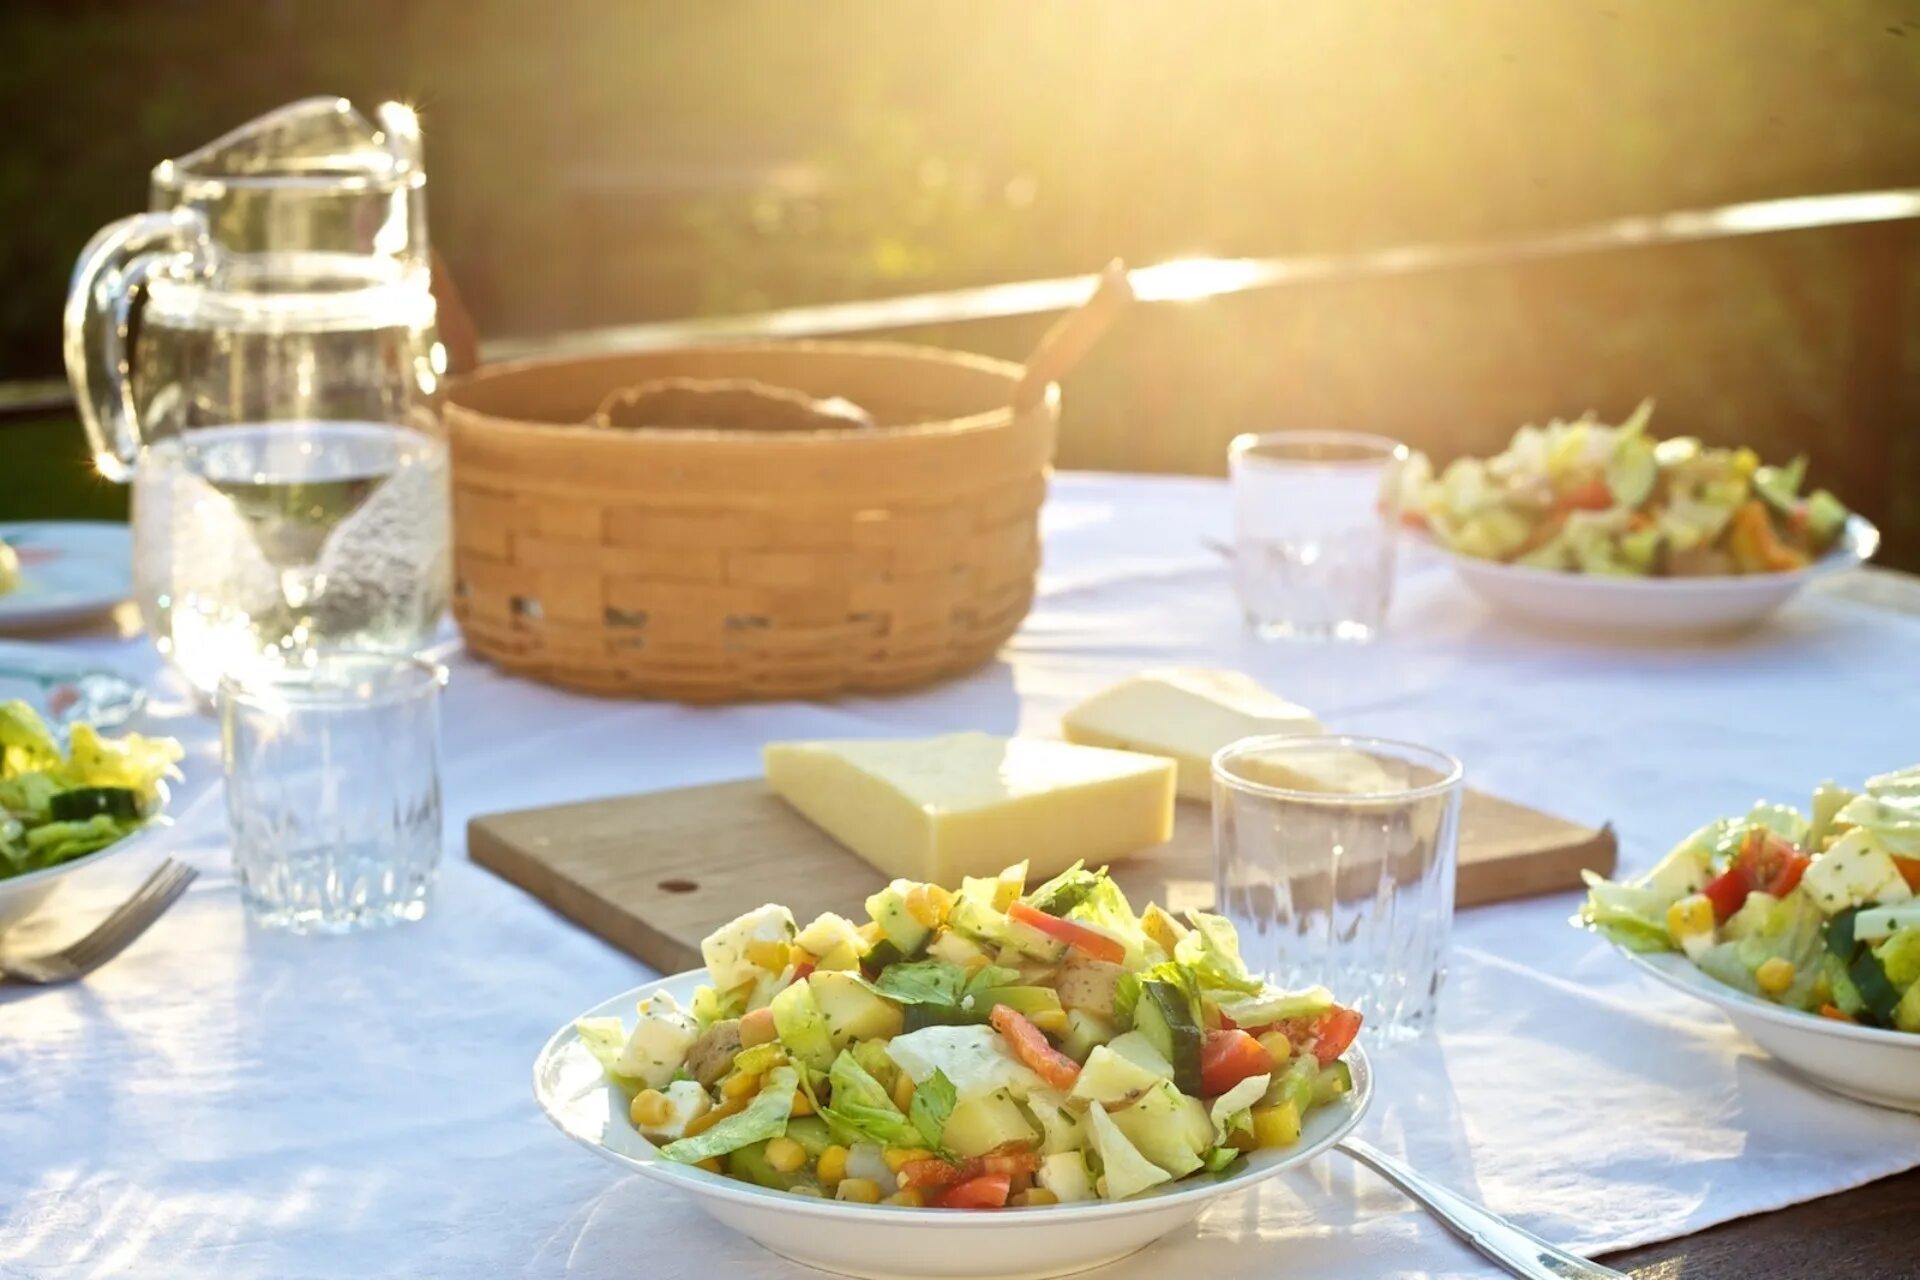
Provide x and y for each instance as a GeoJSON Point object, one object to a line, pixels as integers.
{"type": "Point", "coordinates": [937, 809]}
{"type": "Point", "coordinates": [1186, 714]}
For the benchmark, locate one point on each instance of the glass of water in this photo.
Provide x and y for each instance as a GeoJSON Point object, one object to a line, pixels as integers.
{"type": "Point", "coordinates": [1315, 515]}
{"type": "Point", "coordinates": [333, 790]}
{"type": "Point", "coordinates": [257, 546]}
{"type": "Point", "coordinates": [1335, 858]}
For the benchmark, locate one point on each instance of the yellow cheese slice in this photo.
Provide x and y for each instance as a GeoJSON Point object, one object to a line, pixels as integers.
{"type": "Point", "coordinates": [937, 809]}
{"type": "Point", "coordinates": [1186, 714]}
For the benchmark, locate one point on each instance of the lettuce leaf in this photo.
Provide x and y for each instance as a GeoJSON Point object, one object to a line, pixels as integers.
{"type": "Point", "coordinates": [26, 744]}
{"type": "Point", "coordinates": [131, 761]}
{"type": "Point", "coordinates": [1233, 1110]}
{"type": "Point", "coordinates": [604, 1038]}
{"type": "Point", "coordinates": [1892, 816]}
{"type": "Point", "coordinates": [1212, 951]}
{"type": "Point", "coordinates": [933, 1102]}
{"type": "Point", "coordinates": [1630, 915]}
{"type": "Point", "coordinates": [861, 1107]}
{"type": "Point", "coordinates": [1107, 908]}
{"type": "Point", "coordinates": [765, 1117]}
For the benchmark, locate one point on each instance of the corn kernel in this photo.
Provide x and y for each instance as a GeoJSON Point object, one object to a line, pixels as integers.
{"type": "Point", "coordinates": [711, 1164]}
{"type": "Point", "coordinates": [910, 1197]}
{"type": "Point", "coordinates": [903, 1091]}
{"type": "Point", "coordinates": [858, 1190]}
{"type": "Point", "coordinates": [832, 1165]}
{"type": "Point", "coordinates": [1278, 1047]}
{"type": "Point", "coordinates": [701, 1123]}
{"type": "Point", "coordinates": [770, 954]}
{"type": "Point", "coordinates": [1276, 1126]}
{"type": "Point", "coordinates": [740, 1086]}
{"type": "Point", "coordinates": [1775, 975]}
{"type": "Point", "coordinates": [1034, 1196]}
{"type": "Point", "coordinates": [784, 1155]}
{"type": "Point", "coordinates": [898, 1158]}
{"type": "Point", "coordinates": [1690, 916]}
{"type": "Point", "coordinates": [650, 1107]}
{"type": "Point", "coordinates": [800, 1107]}
{"type": "Point", "coordinates": [921, 907]}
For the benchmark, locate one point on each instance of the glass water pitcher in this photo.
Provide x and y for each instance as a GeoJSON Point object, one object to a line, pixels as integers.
{"type": "Point", "coordinates": [275, 298]}
{"type": "Point", "coordinates": [280, 274]}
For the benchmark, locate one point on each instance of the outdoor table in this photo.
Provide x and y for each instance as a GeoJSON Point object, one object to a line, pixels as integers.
{"type": "Point", "coordinates": [223, 1101]}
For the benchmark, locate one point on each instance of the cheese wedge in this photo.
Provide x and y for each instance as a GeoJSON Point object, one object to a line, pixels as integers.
{"type": "Point", "coordinates": [1185, 714]}
{"type": "Point", "coordinates": [937, 809]}
{"type": "Point", "coordinates": [1334, 771]}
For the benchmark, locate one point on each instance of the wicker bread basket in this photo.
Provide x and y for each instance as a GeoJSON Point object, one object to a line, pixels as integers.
{"type": "Point", "coordinates": [716, 565]}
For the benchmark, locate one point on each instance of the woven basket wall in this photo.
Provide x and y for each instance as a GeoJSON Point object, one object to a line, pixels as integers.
{"type": "Point", "coordinates": [716, 565]}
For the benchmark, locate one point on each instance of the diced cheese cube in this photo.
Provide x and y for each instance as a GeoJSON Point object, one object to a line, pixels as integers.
{"type": "Point", "coordinates": [827, 932]}
{"type": "Point", "coordinates": [1065, 1174]}
{"type": "Point", "coordinates": [727, 949]}
{"type": "Point", "coordinates": [1186, 714]}
{"type": "Point", "coordinates": [975, 1060]}
{"type": "Point", "coordinates": [659, 1043]}
{"type": "Point", "coordinates": [938, 809]}
{"type": "Point", "coordinates": [1855, 872]}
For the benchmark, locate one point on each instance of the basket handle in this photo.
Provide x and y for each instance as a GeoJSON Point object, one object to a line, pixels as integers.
{"type": "Point", "coordinates": [1073, 335]}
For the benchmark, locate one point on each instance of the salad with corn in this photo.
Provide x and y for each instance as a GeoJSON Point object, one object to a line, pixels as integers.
{"type": "Point", "coordinates": [60, 803]}
{"type": "Point", "coordinates": [991, 1047]}
{"type": "Point", "coordinates": [1816, 910]}
{"type": "Point", "coordinates": [1585, 497]}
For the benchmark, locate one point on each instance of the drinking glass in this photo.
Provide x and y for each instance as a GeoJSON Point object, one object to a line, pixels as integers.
{"type": "Point", "coordinates": [333, 790]}
{"type": "Point", "coordinates": [1335, 858]}
{"type": "Point", "coordinates": [1315, 515]}
{"type": "Point", "coordinates": [258, 546]}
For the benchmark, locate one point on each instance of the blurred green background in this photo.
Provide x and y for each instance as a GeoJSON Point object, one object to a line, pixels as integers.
{"type": "Point", "coordinates": [600, 163]}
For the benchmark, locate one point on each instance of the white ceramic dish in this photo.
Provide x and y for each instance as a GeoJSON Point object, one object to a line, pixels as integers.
{"type": "Point", "coordinates": [71, 571]}
{"type": "Point", "coordinates": [21, 896]}
{"type": "Point", "coordinates": [1651, 608]}
{"type": "Point", "coordinates": [1868, 1064]}
{"type": "Point", "coordinates": [898, 1243]}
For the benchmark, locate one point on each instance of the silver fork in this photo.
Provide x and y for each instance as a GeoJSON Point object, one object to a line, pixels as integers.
{"type": "Point", "coordinates": [110, 937]}
{"type": "Point", "coordinates": [1518, 1251]}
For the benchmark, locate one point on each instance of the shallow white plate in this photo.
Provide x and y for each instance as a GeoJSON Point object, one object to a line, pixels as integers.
{"type": "Point", "coordinates": [889, 1241]}
{"type": "Point", "coordinates": [71, 571]}
{"type": "Point", "coordinates": [1869, 1064]}
{"type": "Point", "coordinates": [1651, 608]}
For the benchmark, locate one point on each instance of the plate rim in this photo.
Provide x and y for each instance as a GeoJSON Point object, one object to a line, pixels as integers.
{"type": "Point", "coordinates": [702, 1183]}
{"type": "Point", "coordinates": [29, 611]}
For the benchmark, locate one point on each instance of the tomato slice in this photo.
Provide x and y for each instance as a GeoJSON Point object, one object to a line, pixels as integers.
{"type": "Point", "coordinates": [1011, 1160]}
{"type": "Point", "coordinates": [1087, 941]}
{"type": "Point", "coordinates": [1909, 871]}
{"type": "Point", "coordinates": [1030, 1046]}
{"type": "Point", "coordinates": [1728, 890]}
{"type": "Point", "coordinates": [1326, 1036]}
{"type": "Point", "coordinates": [988, 1191]}
{"type": "Point", "coordinates": [1227, 1058]}
{"type": "Point", "coordinates": [1338, 1028]}
{"type": "Point", "coordinates": [1774, 865]}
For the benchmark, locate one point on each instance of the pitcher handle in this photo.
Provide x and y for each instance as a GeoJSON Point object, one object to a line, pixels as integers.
{"type": "Point", "coordinates": [108, 279]}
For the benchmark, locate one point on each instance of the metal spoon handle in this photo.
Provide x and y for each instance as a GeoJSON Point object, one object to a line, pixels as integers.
{"type": "Point", "coordinates": [1520, 1252]}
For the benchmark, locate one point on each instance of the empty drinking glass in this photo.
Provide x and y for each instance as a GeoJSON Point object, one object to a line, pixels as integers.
{"type": "Point", "coordinates": [1334, 857]}
{"type": "Point", "coordinates": [1315, 515]}
{"type": "Point", "coordinates": [333, 790]}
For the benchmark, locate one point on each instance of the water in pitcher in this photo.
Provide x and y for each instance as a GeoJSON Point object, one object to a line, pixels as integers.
{"type": "Point", "coordinates": [265, 544]}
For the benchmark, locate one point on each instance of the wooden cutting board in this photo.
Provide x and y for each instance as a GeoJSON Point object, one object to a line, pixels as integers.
{"type": "Point", "coordinates": [655, 873]}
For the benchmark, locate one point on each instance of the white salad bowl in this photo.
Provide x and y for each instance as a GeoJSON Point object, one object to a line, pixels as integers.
{"type": "Point", "coordinates": [890, 1241]}
{"type": "Point", "coordinates": [23, 895]}
{"type": "Point", "coordinates": [1651, 608]}
{"type": "Point", "coordinates": [1868, 1064]}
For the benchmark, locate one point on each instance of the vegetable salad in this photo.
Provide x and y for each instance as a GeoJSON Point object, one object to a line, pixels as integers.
{"type": "Point", "coordinates": [1584, 497]}
{"type": "Point", "coordinates": [60, 804]}
{"type": "Point", "coordinates": [1814, 910]}
{"type": "Point", "coordinates": [993, 1047]}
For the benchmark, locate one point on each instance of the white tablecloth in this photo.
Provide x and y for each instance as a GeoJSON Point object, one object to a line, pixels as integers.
{"type": "Point", "coordinates": [225, 1102]}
